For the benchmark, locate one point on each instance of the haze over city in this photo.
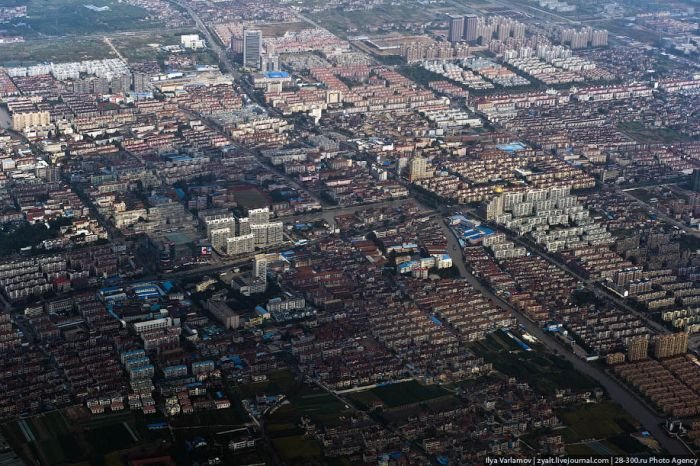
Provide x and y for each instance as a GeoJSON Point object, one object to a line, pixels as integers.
{"type": "Point", "coordinates": [302, 232]}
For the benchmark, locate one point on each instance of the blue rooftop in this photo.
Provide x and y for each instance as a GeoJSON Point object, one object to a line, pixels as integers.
{"type": "Point", "coordinates": [276, 74]}
{"type": "Point", "coordinates": [512, 147]}
{"type": "Point", "coordinates": [157, 425]}
{"type": "Point", "coordinates": [111, 289]}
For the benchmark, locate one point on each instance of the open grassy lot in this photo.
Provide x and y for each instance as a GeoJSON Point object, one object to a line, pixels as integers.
{"type": "Point", "coordinates": [145, 45]}
{"type": "Point", "coordinates": [53, 440]}
{"type": "Point", "coordinates": [279, 29]}
{"type": "Point", "coordinates": [639, 133]}
{"type": "Point", "coordinates": [399, 394]}
{"type": "Point", "coordinates": [96, 422]}
{"type": "Point", "coordinates": [110, 438]}
{"type": "Point", "coordinates": [283, 424]}
{"type": "Point", "coordinates": [296, 449]}
{"type": "Point", "coordinates": [310, 401]}
{"type": "Point", "coordinates": [408, 393]}
{"type": "Point", "coordinates": [60, 437]}
{"type": "Point", "coordinates": [643, 194]}
{"type": "Point", "coordinates": [133, 46]}
{"type": "Point", "coordinates": [318, 405]}
{"type": "Point", "coordinates": [606, 423]}
{"type": "Point", "coordinates": [580, 449]}
{"type": "Point", "coordinates": [72, 17]}
{"type": "Point", "coordinates": [56, 50]}
{"type": "Point", "coordinates": [620, 27]}
{"type": "Point", "coordinates": [600, 420]}
{"type": "Point", "coordinates": [141, 46]}
{"type": "Point", "coordinates": [217, 418]}
{"type": "Point", "coordinates": [250, 197]}
{"type": "Point", "coordinates": [50, 424]}
{"type": "Point", "coordinates": [349, 23]}
{"type": "Point", "coordinates": [543, 371]}
{"type": "Point", "coordinates": [281, 381]}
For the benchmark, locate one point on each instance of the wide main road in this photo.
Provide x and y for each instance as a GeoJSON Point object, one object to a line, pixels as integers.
{"type": "Point", "coordinates": [211, 40]}
{"type": "Point", "coordinates": [618, 393]}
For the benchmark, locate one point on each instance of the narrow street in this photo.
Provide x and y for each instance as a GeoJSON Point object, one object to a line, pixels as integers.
{"type": "Point", "coordinates": [661, 215]}
{"type": "Point", "coordinates": [114, 49]}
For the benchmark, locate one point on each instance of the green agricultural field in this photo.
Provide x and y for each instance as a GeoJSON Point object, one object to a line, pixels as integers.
{"type": "Point", "coordinates": [281, 381]}
{"type": "Point", "coordinates": [310, 401]}
{"type": "Point", "coordinates": [250, 197]}
{"type": "Point", "coordinates": [106, 420]}
{"type": "Point", "coordinates": [110, 438]}
{"type": "Point", "coordinates": [399, 394]}
{"type": "Point", "coordinates": [228, 417]}
{"type": "Point", "coordinates": [599, 421]}
{"type": "Point", "coordinates": [283, 424]}
{"type": "Point", "coordinates": [54, 444]}
{"type": "Point", "coordinates": [318, 405]}
{"type": "Point", "coordinates": [606, 422]}
{"type": "Point", "coordinates": [543, 371]}
{"type": "Point", "coordinates": [297, 449]}
{"type": "Point", "coordinates": [64, 438]}
{"type": "Point", "coordinates": [71, 17]}
{"type": "Point", "coordinates": [50, 424]}
{"type": "Point", "coordinates": [64, 448]}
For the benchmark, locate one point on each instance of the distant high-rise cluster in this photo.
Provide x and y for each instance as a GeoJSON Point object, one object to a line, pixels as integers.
{"type": "Point", "coordinates": [472, 28]}
{"type": "Point", "coordinates": [584, 38]}
{"type": "Point", "coordinates": [420, 50]}
{"type": "Point", "coordinates": [544, 52]}
{"type": "Point", "coordinates": [503, 28]}
{"type": "Point", "coordinates": [242, 235]}
{"type": "Point", "coordinates": [549, 53]}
